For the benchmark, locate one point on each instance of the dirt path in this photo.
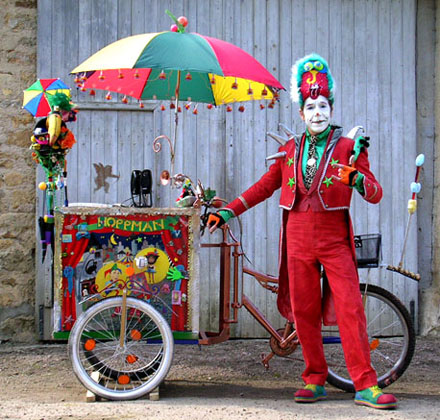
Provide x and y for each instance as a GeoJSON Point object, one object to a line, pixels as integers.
{"type": "Point", "coordinates": [225, 381]}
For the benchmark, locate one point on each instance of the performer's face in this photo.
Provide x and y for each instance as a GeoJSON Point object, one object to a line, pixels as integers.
{"type": "Point", "coordinates": [316, 113]}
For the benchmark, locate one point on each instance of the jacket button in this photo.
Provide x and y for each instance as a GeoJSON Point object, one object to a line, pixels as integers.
{"type": "Point", "coordinates": [321, 192]}
{"type": "Point", "coordinates": [326, 205]}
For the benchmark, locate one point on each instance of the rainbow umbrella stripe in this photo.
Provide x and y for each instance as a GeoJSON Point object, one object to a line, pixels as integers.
{"type": "Point", "coordinates": [147, 66]}
{"type": "Point", "coordinates": [35, 96]}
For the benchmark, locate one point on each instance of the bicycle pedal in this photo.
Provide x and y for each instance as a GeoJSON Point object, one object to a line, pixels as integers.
{"type": "Point", "coordinates": [265, 359]}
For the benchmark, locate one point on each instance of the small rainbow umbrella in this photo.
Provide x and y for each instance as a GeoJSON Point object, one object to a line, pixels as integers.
{"type": "Point", "coordinates": [35, 96]}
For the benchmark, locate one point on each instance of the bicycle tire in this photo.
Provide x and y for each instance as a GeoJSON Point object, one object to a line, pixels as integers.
{"type": "Point", "coordinates": [391, 336]}
{"type": "Point", "coordinates": [126, 372]}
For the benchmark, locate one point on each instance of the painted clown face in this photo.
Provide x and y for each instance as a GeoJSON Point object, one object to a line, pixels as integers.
{"type": "Point", "coordinates": [316, 113]}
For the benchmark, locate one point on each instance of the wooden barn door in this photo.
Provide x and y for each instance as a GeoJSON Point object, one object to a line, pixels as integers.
{"type": "Point", "coordinates": [370, 46]}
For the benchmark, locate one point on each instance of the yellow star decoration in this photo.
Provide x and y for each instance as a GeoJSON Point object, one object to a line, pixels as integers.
{"type": "Point", "coordinates": [327, 182]}
{"type": "Point", "coordinates": [334, 162]}
{"type": "Point", "coordinates": [291, 182]}
{"type": "Point", "coordinates": [289, 162]}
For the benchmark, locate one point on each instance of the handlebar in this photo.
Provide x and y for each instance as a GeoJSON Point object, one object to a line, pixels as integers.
{"type": "Point", "coordinates": [196, 196]}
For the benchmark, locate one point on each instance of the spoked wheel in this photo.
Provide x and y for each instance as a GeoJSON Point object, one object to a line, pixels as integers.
{"type": "Point", "coordinates": [122, 368]}
{"type": "Point", "coordinates": [391, 336]}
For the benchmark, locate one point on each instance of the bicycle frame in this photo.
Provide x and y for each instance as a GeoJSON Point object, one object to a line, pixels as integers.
{"type": "Point", "coordinates": [225, 304]}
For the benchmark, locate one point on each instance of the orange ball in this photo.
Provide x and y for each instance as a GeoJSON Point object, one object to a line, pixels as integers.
{"type": "Point", "coordinates": [131, 358]}
{"type": "Point", "coordinates": [90, 344]}
{"type": "Point", "coordinates": [124, 379]}
{"type": "Point", "coordinates": [135, 335]}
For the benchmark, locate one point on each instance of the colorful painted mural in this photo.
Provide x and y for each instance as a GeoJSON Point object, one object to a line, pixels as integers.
{"type": "Point", "coordinates": [99, 252]}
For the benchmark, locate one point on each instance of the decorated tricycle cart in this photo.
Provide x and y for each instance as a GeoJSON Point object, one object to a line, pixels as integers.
{"type": "Point", "coordinates": [126, 279]}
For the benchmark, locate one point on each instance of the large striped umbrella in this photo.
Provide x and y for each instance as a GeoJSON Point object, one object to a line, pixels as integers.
{"type": "Point", "coordinates": [172, 65]}
{"type": "Point", "coordinates": [178, 66]}
{"type": "Point", "coordinates": [35, 96]}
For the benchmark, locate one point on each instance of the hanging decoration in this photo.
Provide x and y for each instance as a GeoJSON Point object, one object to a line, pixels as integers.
{"type": "Point", "coordinates": [50, 142]}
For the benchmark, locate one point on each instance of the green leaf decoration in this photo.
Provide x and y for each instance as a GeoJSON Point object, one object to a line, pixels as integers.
{"type": "Point", "coordinates": [209, 194]}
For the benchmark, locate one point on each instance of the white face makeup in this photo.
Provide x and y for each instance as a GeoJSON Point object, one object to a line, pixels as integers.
{"type": "Point", "coordinates": [316, 114]}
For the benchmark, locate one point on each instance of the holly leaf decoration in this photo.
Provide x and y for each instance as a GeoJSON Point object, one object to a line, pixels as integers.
{"type": "Point", "coordinates": [209, 194]}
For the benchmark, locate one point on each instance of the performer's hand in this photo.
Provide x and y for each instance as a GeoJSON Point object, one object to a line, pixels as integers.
{"type": "Point", "coordinates": [346, 174]}
{"type": "Point", "coordinates": [215, 220]}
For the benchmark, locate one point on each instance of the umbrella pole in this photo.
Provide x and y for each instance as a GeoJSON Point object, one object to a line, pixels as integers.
{"type": "Point", "coordinates": [176, 122]}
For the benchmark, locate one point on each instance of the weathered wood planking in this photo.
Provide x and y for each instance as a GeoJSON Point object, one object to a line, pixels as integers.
{"type": "Point", "coordinates": [370, 48]}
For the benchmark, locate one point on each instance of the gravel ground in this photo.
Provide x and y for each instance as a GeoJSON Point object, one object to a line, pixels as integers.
{"type": "Point", "coordinates": [224, 381]}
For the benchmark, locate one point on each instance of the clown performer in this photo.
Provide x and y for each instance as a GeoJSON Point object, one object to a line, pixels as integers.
{"type": "Point", "coordinates": [317, 173]}
{"type": "Point", "coordinates": [50, 142]}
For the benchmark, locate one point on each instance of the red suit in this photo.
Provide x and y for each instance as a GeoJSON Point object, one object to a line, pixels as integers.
{"type": "Point", "coordinates": [316, 230]}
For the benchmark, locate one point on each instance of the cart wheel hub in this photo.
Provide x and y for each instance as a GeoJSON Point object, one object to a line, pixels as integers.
{"type": "Point", "coordinates": [287, 349]}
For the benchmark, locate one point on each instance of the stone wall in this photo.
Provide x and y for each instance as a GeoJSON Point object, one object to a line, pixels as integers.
{"type": "Point", "coordinates": [18, 55]}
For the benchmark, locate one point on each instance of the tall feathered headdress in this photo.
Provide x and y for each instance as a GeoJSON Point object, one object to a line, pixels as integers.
{"type": "Point", "coordinates": [311, 77]}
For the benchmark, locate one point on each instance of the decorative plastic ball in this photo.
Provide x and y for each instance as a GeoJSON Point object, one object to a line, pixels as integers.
{"type": "Point", "coordinates": [131, 358]}
{"type": "Point", "coordinates": [123, 380]}
{"type": "Point", "coordinates": [416, 187]}
{"type": "Point", "coordinates": [174, 28]}
{"type": "Point", "coordinates": [420, 160]}
{"type": "Point", "coordinates": [42, 186]}
{"type": "Point", "coordinates": [135, 334]}
{"type": "Point", "coordinates": [217, 203]}
{"type": "Point", "coordinates": [182, 20]}
{"type": "Point", "coordinates": [90, 344]}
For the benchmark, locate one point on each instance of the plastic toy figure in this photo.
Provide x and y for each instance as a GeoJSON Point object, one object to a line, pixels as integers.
{"type": "Point", "coordinates": [317, 173]}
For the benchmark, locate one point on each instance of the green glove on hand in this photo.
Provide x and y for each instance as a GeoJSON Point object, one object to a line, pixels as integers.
{"type": "Point", "coordinates": [360, 144]}
{"type": "Point", "coordinates": [216, 220]}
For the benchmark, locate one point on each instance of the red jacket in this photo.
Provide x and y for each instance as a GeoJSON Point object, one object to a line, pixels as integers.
{"type": "Point", "coordinates": [326, 196]}
{"type": "Point", "coordinates": [284, 173]}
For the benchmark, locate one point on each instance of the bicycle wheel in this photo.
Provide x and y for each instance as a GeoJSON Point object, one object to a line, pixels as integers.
{"type": "Point", "coordinates": [126, 371]}
{"type": "Point", "coordinates": [391, 336]}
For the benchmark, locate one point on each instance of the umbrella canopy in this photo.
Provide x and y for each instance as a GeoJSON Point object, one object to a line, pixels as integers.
{"type": "Point", "coordinates": [35, 96]}
{"type": "Point", "coordinates": [174, 65]}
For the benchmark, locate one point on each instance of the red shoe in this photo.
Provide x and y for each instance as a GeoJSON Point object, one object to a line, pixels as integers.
{"type": "Point", "coordinates": [310, 394]}
{"type": "Point", "coordinates": [375, 398]}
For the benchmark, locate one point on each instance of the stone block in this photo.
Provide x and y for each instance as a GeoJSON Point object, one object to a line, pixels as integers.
{"type": "Point", "coordinates": [17, 226]}
{"type": "Point", "coordinates": [19, 328]}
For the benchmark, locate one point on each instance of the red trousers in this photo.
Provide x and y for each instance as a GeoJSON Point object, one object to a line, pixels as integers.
{"type": "Point", "coordinates": [323, 238]}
